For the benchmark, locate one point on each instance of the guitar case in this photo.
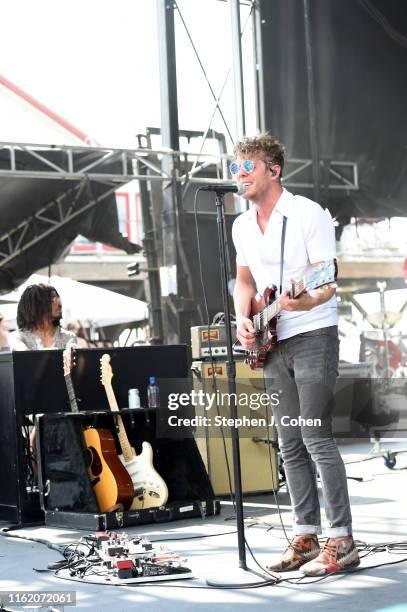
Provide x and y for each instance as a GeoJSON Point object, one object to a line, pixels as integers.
{"type": "Point", "coordinates": [62, 477]}
{"type": "Point", "coordinates": [66, 493]}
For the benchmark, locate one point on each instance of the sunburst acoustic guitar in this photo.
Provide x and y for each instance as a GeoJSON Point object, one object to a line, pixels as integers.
{"type": "Point", "coordinates": [110, 480]}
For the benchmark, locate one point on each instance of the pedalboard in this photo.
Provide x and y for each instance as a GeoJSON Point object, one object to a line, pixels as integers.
{"type": "Point", "coordinates": [117, 558]}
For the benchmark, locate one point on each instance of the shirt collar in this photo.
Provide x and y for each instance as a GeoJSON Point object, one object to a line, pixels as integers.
{"type": "Point", "coordinates": [284, 205]}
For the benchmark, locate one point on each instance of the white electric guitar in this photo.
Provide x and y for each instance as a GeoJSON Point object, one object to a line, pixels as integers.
{"type": "Point", "coordinates": [150, 489]}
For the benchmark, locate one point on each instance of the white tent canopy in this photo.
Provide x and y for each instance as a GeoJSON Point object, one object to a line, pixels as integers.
{"type": "Point", "coordinates": [91, 305]}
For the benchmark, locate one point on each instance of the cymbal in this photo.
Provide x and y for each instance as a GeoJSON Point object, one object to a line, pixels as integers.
{"type": "Point", "coordinates": [390, 317]}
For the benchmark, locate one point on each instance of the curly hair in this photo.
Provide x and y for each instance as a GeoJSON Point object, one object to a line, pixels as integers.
{"type": "Point", "coordinates": [265, 145]}
{"type": "Point", "coordinates": [35, 305]}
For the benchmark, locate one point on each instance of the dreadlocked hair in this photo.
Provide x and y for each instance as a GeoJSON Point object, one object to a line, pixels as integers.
{"type": "Point", "coordinates": [35, 305]}
{"type": "Point", "coordinates": [265, 145]}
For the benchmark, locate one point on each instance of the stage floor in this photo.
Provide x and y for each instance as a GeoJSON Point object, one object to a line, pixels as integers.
{"type": "Point", "coordinates": [379, 502]}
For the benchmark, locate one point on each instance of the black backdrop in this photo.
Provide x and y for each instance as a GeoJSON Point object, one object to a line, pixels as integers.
{"type": "Point", "coordinates": [360, 78]}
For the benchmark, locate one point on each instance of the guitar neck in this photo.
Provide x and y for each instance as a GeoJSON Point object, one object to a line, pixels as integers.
{"type": "Point", "coordinates": [71, 393]}
{"type": "Point", "coordinates": [274, 309]}
{"type": "Point", "coordinates": [127, 451]}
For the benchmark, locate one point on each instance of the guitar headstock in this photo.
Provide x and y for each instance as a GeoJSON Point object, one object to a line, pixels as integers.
{"type": "Point", "coordinates": [69, 357]}
{"type": "Point", "coordinates": [323, 274]}
{"type": "Point", "coordinates": [106, 370]}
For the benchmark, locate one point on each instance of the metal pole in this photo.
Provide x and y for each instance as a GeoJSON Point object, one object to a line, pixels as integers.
{"type": "Point", "coordinates": [149, 243]}
{"type": "Point", "coordinates": [385, 327]}
{"type": "Point", "coordinates": [259, 67]}
{"type": "Point", "coordinates": [170, 139]}
{"type": "Point", "coordinates": [237, 68]}
{"type": "Point", "coordinates": [311, 103]}
{"type": "Point", "coordinates": [231, 374]}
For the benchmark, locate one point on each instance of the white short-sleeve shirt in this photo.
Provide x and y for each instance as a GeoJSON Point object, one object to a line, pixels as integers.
{"type": "Point", "coordinates": [310, 238]}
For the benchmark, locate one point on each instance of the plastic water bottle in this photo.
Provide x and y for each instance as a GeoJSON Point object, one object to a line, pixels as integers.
{"type": "Point", "coordinates": [153, 393]}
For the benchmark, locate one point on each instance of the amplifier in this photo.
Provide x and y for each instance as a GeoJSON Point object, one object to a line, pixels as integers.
{"type": "Point", "coordinates": [210, 342]}
{"type": "Point", "coordinates": [258, 444]}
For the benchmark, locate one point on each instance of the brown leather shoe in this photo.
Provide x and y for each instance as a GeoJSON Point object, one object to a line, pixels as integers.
{"type": "Point", "coordinates": [301, 550]}
{"type": "Point", "coordinates": [338, 555]}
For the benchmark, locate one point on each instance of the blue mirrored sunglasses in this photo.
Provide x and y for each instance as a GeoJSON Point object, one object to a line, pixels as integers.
{"type": "Point", "coordinates": [247, 165]}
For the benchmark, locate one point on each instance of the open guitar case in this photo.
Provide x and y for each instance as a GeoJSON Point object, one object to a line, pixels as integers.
{"type": "Point", "coordinates": [66, 494]}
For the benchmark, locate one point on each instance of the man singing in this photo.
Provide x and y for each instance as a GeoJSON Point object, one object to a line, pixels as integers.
{"type": "Point", "coordinates": [303, 366]}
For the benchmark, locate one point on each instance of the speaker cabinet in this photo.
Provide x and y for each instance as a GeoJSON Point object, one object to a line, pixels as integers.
{"type": "Point", "coordinates": [258, 440]}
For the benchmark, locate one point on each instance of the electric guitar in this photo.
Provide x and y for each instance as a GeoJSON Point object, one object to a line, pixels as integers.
{"type": "Point", "coordinates": [111, 483]}
{"type": "Point", "coordinates": [150, 489]}
{"type": "Point", "coordinates": [264, 311]}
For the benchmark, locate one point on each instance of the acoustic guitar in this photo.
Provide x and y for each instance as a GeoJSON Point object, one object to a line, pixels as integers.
{"type": "Point", "coordinates": [150, 489]}
{"type": "Point", "coordinates": [111, 482]}
{"type": "Point", "coordinates": [265, 309]}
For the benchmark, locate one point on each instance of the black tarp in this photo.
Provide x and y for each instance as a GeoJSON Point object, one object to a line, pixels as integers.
{"type": "Point", "coordinates": [21, 197]}
{"type": "Point", "coordinates": [359, 51]}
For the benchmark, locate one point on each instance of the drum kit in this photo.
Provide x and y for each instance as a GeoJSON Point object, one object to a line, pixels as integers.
{"type": "Point", "coordinates": [384, 346]}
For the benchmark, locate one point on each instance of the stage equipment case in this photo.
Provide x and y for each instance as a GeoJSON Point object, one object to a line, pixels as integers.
{"type": "Point", "coordinates": [33, 383]}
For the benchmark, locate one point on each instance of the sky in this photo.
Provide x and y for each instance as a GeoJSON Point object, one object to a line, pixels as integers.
{"type": "Point", "coordinates": [95, 62]}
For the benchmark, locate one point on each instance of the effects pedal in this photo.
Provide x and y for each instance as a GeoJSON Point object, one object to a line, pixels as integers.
{"type": "Point", "coordinates": [117, 558]}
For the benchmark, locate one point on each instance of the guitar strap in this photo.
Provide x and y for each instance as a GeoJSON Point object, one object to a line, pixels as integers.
{"type": "Point", "coordinates": [282, 252]}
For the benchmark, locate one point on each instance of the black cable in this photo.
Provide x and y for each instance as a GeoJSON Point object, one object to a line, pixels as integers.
{"type": "Point", "coordinates": [375, 14]}
{"type": "Point", "coordinates": [79, 563]}
{"type": "Point", "coordinates": [273, 484]}
{"type": "Point", "coordinates": [199, 537]}
{"type": "Point", "coordinates": [5, 532]}
{"type": "Point", "coordinates": [305, 580]}
{"type": "Point", "coordinates": [76, 568]}
{"type": "Point", "coordinates": [371, 457]}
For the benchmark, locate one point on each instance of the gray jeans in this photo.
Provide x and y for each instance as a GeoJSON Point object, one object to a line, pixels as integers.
{"type": "Point", "coordinates": [303, 371]}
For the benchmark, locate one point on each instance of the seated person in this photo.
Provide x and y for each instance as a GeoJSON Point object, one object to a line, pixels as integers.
{"type": "Point", "coordinates": [39, 314]}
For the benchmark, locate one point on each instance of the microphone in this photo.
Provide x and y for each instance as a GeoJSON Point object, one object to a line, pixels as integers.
{"type": "Point", "coordinates": [239, 188]}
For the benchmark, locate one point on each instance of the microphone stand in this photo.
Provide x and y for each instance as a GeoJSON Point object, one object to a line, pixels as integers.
{"type": "Point", "coordinates": [231, 376]}
{"type": "Point", "coordinates": [236, 580]}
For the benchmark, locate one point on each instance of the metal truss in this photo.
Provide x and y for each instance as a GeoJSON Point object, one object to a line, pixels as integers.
{"type": "Point", "coordinates": [47, 220]}
{"type": "Point", "coordinates": [91, 162]}
{"type": "Point", "coordinates": [75, 162]}
{"type": "Point", "coordinates": [76, 167]}
{"type": "Point", "coordinates": [81, 165]}
{"type": "Point", "coordinates": [338, 174]}
{"type": "Point", "coordinates": [297, 173]}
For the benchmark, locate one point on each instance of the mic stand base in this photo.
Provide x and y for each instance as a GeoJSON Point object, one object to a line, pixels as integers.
{"type": "Point", "coordinates": [233, 577]}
